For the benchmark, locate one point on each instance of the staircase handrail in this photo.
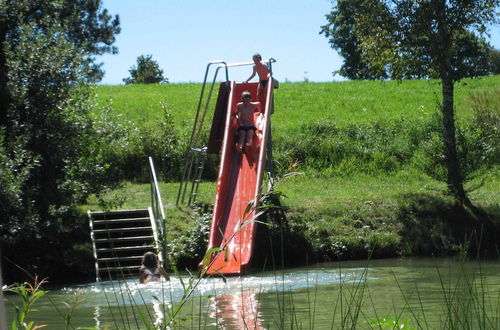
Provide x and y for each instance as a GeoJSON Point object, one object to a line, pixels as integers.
{"type": "Point", "coordinates": [157, 207]}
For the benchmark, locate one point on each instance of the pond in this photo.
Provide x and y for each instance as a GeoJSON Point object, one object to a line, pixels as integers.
{"type": "Point", "coordinates": [415, 292]}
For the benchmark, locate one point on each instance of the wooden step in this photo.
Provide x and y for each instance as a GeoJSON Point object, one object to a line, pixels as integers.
{"type": "Point", "coordinates": [114, 230]}
{"type": "Point", "coordinates": [126, 248]}
{"type": "Point", "coordinates": [123, 220]}
{"type": "Point", "coordinates": [123, 239]}
{"type": "Point", "coordinates": [119, 258]}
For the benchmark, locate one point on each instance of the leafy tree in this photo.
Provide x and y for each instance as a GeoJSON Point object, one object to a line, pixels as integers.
{"type": "Point", "coordinates": [48, 165]}
{"type": "Point", "coordinates": [341, 35]}
{"type": "Point", "coordinates": [86, 26]}
{"type": "Point", "coordinates": [494, 59]}
{"type": "Point", "coordinates": [436, 38]}
{"type": "Point", "coordinates": [147, 71]}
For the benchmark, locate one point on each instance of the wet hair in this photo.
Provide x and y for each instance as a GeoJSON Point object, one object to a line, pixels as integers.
{"type": "Point", "coordinates": [258, 56]}
{"type": "Point", "coordinates": [246, 95]}
{"type": "Point", "coordinates": [150, 260]}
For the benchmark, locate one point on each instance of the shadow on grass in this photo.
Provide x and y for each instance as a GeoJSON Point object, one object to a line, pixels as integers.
{"type": "Point", "coordinates": [436, 225]}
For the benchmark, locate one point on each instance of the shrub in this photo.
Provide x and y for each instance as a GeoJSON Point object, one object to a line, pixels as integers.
{"type": "Point", "coordinates": [486, 119]}
{"type": "Point", "coordinates": [127, 146]}
{"type": "Point", "coordinates": [186, 251]}
{"type": "Point", "coordinates": [371, 147]}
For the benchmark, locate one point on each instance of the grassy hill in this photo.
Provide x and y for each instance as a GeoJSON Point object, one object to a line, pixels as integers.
{"type": "Point", "coordinates": [297, 103]}
{"type": "Point", "coordinates": [371, 159]}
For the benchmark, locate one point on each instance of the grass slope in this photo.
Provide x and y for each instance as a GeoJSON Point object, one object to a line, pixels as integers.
{"type": "Point", "coordinates": [331, 215]}
{"type": "Point", "coordinates": [297, 103]}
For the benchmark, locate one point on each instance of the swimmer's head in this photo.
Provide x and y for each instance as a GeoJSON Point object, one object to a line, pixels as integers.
{"type": "Point", "coordinates": [149, 259]}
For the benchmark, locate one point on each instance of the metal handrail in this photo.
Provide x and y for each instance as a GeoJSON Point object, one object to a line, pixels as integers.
{"type": "Point", "coordinates": [157, 208]}
{"type": "Point", "coordinates": [268, 61]}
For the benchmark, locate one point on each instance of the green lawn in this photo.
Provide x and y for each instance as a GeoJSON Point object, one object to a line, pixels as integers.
{"type": "Point", "coordinates": [406, 210]}
{"type": "Point", "coordinates": [298, 103]}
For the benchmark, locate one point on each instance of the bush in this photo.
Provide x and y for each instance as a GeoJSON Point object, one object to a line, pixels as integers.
{"type": "Point", "coordinates": [127, 146]}
{"type": "Point", "coordinates": [372, 147]}
{"type": "Point", "coordinates": [186, 251]}
{"type": "Point", "coordinates": [486, 110]}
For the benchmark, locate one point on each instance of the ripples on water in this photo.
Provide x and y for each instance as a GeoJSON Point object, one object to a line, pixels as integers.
{"type": "Point", "coordinates": [130, 292]}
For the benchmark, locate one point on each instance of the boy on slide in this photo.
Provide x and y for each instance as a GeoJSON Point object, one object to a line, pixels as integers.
{"type": "Point", "coordinates": [245, 116]}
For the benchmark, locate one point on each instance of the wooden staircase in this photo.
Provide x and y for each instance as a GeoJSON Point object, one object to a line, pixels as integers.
{"type": "Point", "coordinates": [119, 239]}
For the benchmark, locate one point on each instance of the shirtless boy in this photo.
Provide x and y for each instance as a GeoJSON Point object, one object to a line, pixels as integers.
{"type": "Point", "coordinates": [261, 70]}
{"type": "Point", "coordinates": [245, 111]}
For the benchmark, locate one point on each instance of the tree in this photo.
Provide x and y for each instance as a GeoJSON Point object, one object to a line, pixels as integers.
{"type": "Point", "coordinates": [494, 59]}
{"type": "Point", "coordinates": [48, 163]}
{"type": "Point", "coordinates": [436, 38]}
{"type": "Point", "coordinates": [147, 72]}
{"type": "Point", "coordinates": [86, 26]}
{"type": "Point", "coordinates": [341, 35]}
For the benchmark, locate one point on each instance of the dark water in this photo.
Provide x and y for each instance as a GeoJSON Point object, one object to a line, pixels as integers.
{"type": "Point", "coordinates": [420, 293]}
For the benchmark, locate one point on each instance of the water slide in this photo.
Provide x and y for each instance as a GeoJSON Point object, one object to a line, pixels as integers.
{"type": "Point", "coordinates": [238, 184]}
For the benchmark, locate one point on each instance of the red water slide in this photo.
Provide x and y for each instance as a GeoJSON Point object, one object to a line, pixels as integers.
{"type": "Point", "coordinates": [238, 186]}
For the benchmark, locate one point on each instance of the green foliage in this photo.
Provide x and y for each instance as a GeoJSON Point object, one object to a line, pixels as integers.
{"type": "Point", "coordinates": [49, 113]}
{"type": "Point", "coordinates": [372, 147]}
{"type": "Point", "coordinates": [486, 120]}
{"type": "Point", "coordinates": [126, 146]}
{"type": "Point", "coordinates": [369, 127]}
{"type": "Point", "coordinates": [147, 71]}
{"type": "Point", "coordinates": [442, 40]}
{"type": "Point", "coordinates": [14, 175]}
{"type": "Point", "coordinates": [435, 38]}
{"type": "Point", "coordinates": [188, 250]}
{"type": "Point", "coordinates": [45, 59]}
{"type": "Point", "coordinates": [86, 25]}
{"type": "Point", "coordinates": [494, 60]}
{"type": "Point", "coordinates": [340, 31]}
{"type": "Point", "coordinates": [334, 233]}
{"type": "Point", "coordinates": [29, 294]}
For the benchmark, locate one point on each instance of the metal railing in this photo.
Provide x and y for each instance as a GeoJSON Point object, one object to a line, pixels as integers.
{"type": "Point", "coordinates": [158, 210]}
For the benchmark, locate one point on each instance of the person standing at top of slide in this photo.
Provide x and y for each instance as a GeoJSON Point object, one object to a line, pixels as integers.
{"type": "Point", "coordinates": [261, 70]}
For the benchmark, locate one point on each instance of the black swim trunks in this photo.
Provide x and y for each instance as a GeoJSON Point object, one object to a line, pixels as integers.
{"type": "Point", "coordinates": [247, 127]}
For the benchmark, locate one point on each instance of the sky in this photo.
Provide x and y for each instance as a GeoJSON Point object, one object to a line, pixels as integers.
{"type": "Point", "coordinates": [183, 36]}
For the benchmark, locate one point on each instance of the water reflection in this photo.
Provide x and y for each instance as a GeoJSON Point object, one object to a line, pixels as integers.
{"type": "Point", "coordinates": [237, 311]}
{"type": "Point", "coordinates": [97, 317]}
